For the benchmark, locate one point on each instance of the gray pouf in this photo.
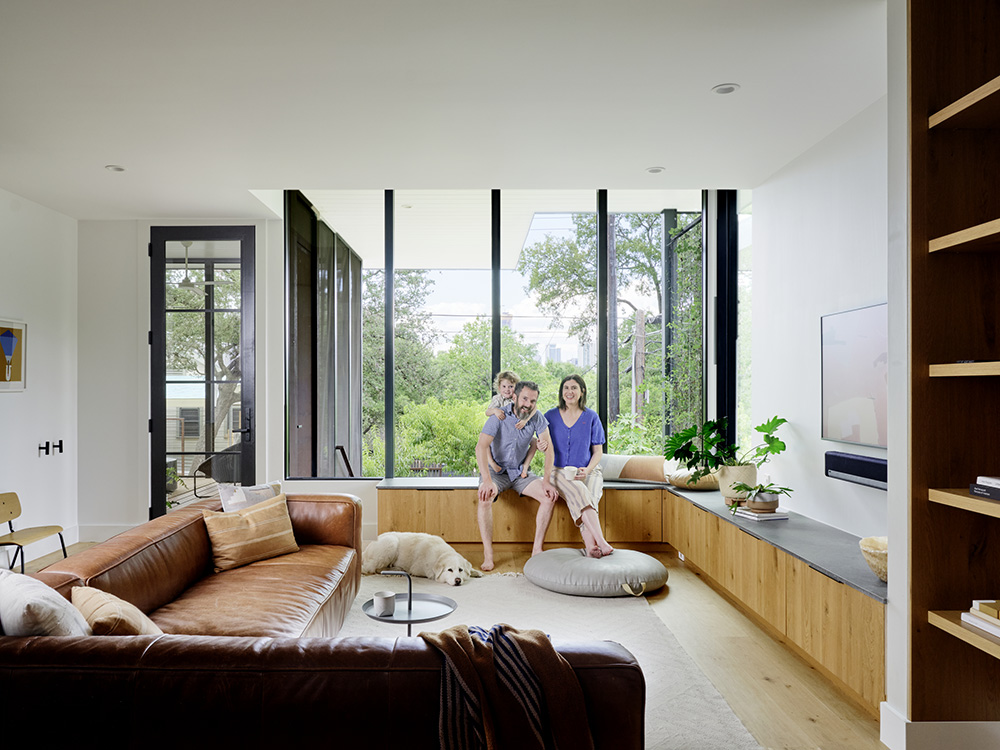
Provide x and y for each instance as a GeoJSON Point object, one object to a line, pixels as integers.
{"type": "Point", "coordinates": [570, 571]}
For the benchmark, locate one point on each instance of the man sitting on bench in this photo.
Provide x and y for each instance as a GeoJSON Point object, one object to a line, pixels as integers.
{"type": "Point", "coordinates": [512, 450]}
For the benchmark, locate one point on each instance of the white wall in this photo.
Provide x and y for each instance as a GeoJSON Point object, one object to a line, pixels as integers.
{"type": "Point", "coordinates": [114, 369]}
{"type": "Point", "coordinates": [113, 352]}
{"type": "Point", "coordinates": [820, 246]}
{"type": "Point", "coordinates": [38, 265]}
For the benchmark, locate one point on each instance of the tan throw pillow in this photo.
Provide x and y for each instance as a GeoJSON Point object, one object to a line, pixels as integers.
{"type": "Point", "coordinates": [256, 533]}
{"type": "Point", "coordinates": [30, 607]}
{"type": "Point", "coordinates": [109, 615]}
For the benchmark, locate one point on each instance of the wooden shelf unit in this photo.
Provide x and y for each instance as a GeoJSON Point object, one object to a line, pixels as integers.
{"type": "Point", "coordinates": [960, 498]}
{"type": "Point", "coordinates": [951, 623]}
{"type": "Point", "coordinates": [954, 122]}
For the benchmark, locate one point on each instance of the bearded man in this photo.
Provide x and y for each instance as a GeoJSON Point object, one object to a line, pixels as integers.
{"type": "Point", "coordinates": [512, 450]}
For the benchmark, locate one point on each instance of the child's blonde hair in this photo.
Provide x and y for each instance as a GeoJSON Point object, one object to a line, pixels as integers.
{"type": "Point", "coordinates": [509, 375]}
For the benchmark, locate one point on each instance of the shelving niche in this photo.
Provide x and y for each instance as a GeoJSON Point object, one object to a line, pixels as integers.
{"type": "Point", "coordinates": [955, 354]}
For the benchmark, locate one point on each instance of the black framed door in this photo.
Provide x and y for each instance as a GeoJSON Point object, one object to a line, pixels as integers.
{"type": "Point", "coordinates": [202, 343]}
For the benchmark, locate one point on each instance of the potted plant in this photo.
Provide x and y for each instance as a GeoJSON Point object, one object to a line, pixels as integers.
{"type": "Point", "coordinates": [706, 449]}
{"type": "Point", "coordinates": [760, 498]}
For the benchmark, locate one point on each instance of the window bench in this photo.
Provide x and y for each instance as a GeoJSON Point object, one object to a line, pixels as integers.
{"type": "Point", "coordinates": [630, 512]}
{"type": "Point", "coordinates": [803, 581]}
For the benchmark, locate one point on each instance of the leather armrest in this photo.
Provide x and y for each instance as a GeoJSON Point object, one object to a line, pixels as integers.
{"type": "Point", "coordinates": [326, 519]}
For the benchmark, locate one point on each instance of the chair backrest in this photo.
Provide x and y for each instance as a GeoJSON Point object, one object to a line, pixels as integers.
{"type": "Point", "coordinates": [10, 506]}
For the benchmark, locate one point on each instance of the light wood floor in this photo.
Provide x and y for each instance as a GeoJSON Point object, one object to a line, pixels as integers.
{"type": "Point", "coordinates": [781, 700]}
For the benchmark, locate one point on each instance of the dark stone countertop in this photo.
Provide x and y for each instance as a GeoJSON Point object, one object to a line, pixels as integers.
{"type": "Point", "coordinates": [832, 552]}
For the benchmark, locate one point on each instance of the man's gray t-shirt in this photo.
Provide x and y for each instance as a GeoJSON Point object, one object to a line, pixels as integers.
{"type": "Point", "coordinates": [510, 445]}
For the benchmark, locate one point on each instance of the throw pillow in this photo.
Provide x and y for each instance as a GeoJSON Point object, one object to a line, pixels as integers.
{"type": "Point", "coordinates": [30, 607]}
{"type": "Point", "coordinates": [256, 533]}
{"type": "Point", "coordinates": [109, 615]}
{"type": "Point", "coordinates": [235, 497]}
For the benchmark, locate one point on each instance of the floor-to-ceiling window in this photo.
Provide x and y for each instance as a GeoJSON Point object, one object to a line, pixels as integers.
{"type": "Point", "coordinates": [446, 249]}
{"type": "Point", "coordinates": [442, 322]}
{"type": "Point", "coordinates": [655, 329]}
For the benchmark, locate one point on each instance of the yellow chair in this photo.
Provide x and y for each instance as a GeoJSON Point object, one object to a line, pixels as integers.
{"type": "Point", "coordinates": [10, 508]}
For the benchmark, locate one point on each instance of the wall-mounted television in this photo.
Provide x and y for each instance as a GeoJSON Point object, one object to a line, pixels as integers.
{"type": "Point", "coordinates": [855, 359]}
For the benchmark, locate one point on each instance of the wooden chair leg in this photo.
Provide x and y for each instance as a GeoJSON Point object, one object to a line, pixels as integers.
{"type": "Point", "coordinates": [62, 544]}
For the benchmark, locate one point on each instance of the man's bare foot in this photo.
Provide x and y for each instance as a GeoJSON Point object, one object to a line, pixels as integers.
{"type": "Point", "coordinates": [606, 550]}
{"type": "Point", "coordinates": [536, 552]}
{"type": "Point", "coordinates": [486, 566]}
{"type": "Point", "coordinates": [595, 552]}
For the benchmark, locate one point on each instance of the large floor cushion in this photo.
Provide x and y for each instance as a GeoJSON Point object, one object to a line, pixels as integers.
{"type": "Point", "coordinates": [570, 571]}
{"type": "Point", "coordinates": [297, 595]}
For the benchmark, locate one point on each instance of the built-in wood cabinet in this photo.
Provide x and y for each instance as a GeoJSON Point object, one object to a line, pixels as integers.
{"type": "Point", "coordinates": [954, 121]}
{"type": "Point", "coordinates": [837, 628]}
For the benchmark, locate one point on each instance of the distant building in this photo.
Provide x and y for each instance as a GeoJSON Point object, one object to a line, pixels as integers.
{"type": "Point", "coordinates": [553, 353]}
{"type": "Point", "coordinates": [586, 355]}
{"type": "Point", "coordinates": [506, 320]}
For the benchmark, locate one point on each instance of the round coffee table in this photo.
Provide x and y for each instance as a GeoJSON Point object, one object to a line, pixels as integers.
{"type": "Point", "coordinates": [410, 607]}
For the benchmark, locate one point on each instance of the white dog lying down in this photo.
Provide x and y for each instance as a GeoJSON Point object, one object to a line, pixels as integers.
{"type": "Point", "coordinates": [419, 554]}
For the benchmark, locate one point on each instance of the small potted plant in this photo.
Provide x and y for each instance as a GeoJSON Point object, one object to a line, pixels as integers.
{"type": "Point", "coordinates": [705, 449]}
{"type": "Point", "coordinates": [760, 498]}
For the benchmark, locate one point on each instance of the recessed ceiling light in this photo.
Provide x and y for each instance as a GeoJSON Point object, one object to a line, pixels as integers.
{"type": "Point", "coordinates": [654, 170]}
{"type": "Point", "coordinates": [726, 88]}
{"type": "Point", "coordinates": [114, 168]}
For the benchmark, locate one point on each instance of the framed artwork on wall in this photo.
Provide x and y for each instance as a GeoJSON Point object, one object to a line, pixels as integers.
{"type": "Point", "coordinates": [13, 338]}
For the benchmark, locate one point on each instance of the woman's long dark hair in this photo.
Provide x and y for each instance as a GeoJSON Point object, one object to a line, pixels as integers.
{"type": "Point", "coordinates": [583, 391]}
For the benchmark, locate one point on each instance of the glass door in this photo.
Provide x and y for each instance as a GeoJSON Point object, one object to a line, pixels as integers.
{"type": "Point", "coordinates": [202, 366]}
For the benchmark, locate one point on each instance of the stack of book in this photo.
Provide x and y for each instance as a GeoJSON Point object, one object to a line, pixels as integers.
{"type": "Point", "coordinates": [988, 487]}
{"type": "Point", "coordinates": [985, 615]}
{"type": "Point", "coordinates": [777, 515]}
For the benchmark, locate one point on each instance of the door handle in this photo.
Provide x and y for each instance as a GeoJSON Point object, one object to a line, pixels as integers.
{"type": "Point", "coordinates": [248, 430]}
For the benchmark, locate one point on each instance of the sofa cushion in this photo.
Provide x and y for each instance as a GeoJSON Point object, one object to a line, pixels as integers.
{"type": "Point", "coordinates": [29, 607]}
{"type": "Point", "coordinates": [256, 533]}
{"type": "Point", "coordinates": [149, 565]}
{"type": "Point", "coordinates": [108, 615]}
{"type": "Point", "coordinates": [305, 593]}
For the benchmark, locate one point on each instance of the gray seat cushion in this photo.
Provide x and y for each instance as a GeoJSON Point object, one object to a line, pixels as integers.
{"type": "Point", "coordinates": [570, 571]}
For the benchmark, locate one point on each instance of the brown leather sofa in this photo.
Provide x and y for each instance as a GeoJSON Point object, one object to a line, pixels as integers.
{"type": "Point", "coordinates": [164, 567]}
{"type": "Point", "coordinates": [265, 682]}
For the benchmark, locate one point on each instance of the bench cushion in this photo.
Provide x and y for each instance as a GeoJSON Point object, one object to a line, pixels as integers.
{"type": "Point", "coordinates": [570, 571]}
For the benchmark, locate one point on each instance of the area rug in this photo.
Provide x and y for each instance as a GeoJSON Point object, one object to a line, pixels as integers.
{"type": "Point", "coordinates": [683, 709]}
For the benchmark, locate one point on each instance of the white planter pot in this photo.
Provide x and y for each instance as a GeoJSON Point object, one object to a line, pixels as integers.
{"type": "Point", "coordinates": [730, 475]}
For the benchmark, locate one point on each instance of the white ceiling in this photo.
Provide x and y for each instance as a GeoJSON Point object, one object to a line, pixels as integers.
{"type": "Point", "coordinates": [205, 100]}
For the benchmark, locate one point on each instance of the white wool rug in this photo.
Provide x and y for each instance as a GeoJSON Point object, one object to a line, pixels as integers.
{"type": "Point", "coordinates": [683, 709]}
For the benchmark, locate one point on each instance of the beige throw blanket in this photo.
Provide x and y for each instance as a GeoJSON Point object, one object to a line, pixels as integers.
{"type": "Point", "coordinates": [507, 688]}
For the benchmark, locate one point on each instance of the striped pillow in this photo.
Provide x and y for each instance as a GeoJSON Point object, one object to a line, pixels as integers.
{"type": "Point", "coordinates": [256, 533]}
{"type": "Point", "coordinates": [109, 615]}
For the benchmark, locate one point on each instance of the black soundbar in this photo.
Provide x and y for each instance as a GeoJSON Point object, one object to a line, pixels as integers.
{"type": "Point", "coordinates": [866, 470]}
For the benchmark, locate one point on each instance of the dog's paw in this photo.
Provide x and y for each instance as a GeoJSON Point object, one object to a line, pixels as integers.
{"type": "Point", "coordinates": [473, 573]}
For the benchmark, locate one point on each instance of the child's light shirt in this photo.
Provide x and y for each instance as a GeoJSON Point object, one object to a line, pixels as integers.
{"type": "Point", "coordinates": [499, 402]}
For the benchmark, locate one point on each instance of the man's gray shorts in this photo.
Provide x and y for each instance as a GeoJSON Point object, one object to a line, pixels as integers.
{"type": "Point", "coordinates": [504, 482]}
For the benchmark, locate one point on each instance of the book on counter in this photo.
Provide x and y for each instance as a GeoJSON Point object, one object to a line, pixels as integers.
{"type": "Point", "coordinates": [989, 481]}
{"type": "Point", "coordinates": [983, 490]}
{"type": "Point", "coordinates": [778, 515]}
